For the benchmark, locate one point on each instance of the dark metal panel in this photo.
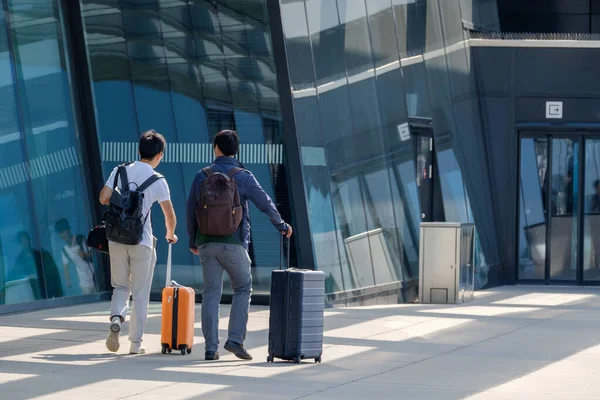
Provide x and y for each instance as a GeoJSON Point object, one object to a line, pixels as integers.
{"type": "Point", "coordinates": [84, 101]}
{"type": "Point", "coordinates": [492, 68]}
{"type": "Point", "coordinates": [503, 171]}
{"type": "Point", "coordinates": [551, 16]}
{"type": "Point", "coordinates": [290, 138]}
{"type": "Point", "coordinates": [568, 71]}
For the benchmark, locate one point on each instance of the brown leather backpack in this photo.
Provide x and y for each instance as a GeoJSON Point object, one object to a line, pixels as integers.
{"type": "Point", "coordinates": [219, 211]}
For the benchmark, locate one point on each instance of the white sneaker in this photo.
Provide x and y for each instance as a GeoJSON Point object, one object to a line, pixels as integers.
{"type": "Point", "coordinates": [112, 341]}
{"type": "Point", "coordinates": [137, 348]}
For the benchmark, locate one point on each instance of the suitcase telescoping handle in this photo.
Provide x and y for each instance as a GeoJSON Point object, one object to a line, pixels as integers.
{"type": "Point", "coordinates": [168, 283]}
{"type": "Point", "coordinates": [281, 258]}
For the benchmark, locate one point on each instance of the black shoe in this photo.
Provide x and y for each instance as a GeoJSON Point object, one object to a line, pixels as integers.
{"type": "Point", "coordinates": [211, 355]}
{"type": "Point", "coordinates": [238, 350]}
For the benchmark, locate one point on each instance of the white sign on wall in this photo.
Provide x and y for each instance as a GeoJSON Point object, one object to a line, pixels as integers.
{"type": "Point", "coordinates": [404, 131]}
{"type": "Point", "coordinates": [554, 109]}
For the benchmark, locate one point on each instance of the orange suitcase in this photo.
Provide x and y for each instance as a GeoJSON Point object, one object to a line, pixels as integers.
{"type": "Point", "coordinates": [178, 316]}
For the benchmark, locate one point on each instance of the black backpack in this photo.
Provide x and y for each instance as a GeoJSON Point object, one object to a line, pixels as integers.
{"type": "Point", "coordinates": [125, 218]}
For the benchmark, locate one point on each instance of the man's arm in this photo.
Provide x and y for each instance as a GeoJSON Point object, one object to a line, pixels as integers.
{"type": "Point", "coordinates": [170, 220]}
{"type": "Point", "coordinates": [190, 212]}
{"type": "Point", "coordinates": [263, 202]}
{"type": "Point", "coordinates": [107, 190]}
{"type": "Point", "coordinates": [105, 195]}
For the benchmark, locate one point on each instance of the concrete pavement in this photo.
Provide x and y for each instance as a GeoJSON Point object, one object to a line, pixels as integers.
{"type": "Point", "coordinates": [511, 343]}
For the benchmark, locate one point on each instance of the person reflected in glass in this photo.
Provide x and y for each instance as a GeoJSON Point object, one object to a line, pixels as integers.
{"type": "Point", "coordinates": [39, 265]}
{"type": "Point", "coordinates": [2, 277]}
{"type": "Point", "coordinates": [594, 228]}
{"type": "Point", "coordinates": [569, 188]}
{"type": "Point", "coordinates": [76, 252]}
{"type": "Point", "coordinates": [595, 203]}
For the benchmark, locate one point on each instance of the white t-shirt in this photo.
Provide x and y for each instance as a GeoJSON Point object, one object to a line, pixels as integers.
{"type": "Point", "coordinates": [138, 173]}
{"type": "Point", "coordinates": [85, 270]}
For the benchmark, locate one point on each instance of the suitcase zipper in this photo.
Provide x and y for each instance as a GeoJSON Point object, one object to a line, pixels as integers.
{"type": "Point", "coordinates": [175, 314]}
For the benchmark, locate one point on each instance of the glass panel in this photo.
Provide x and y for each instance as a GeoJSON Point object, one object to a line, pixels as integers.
{"type": "Point", "coordinates": [329, 251]}
{"type": "Point", "coordinates": [354, 222]}
{"type": "Point", "coordinates": [62, 214]}
{"type": "Point", "coordinates": [389, 263]}
{"type": "Point", "coordinates": [591, 251]}
{"type": "Point", "coordinates": [533, 183]}
{"type": "Point", "coordinates": [346, 79]}
{"type": "Point", "coordinates": [455, 199]}
{"type": "Point", "coordinates": [22, 273]}
{"type": "Point", "coordinates": [564, 210]}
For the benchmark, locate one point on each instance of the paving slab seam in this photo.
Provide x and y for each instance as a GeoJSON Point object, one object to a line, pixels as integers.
{"type": "Point", "coordinates": [435, 356]}
{"type": "Point", "coordinates": [151, 390]}
{"type": "Point", "coordinates": [70, 329]}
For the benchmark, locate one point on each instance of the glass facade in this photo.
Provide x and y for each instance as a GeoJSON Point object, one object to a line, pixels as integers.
{"type": "Point", "coordinates": [359, 71]}
{"type": "Point", "coordinates": [383, 106]}
{"type": "Point", "coordinates": [43, 195]}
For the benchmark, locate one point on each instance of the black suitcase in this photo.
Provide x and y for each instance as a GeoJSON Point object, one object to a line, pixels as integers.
{"type": "Point", "coordinates": [296, 314]}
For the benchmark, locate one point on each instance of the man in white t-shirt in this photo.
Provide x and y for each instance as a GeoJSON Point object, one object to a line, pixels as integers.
{"type": "Point", "coordinates": [132, 266]}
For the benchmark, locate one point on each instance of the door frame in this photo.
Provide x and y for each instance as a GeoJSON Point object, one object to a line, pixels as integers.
{"type": "Point", "coordinates": [421, 127]}
{"type": "Point", "coordinates": [562, 132]}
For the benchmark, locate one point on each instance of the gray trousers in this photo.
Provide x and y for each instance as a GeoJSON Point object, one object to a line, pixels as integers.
{"type": "Point", "coordinates": [132, 268]}
{"type": "Point", "coordinates": [234, 259]}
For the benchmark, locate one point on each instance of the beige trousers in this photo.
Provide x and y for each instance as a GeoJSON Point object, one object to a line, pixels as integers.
{"type": "Point", "coordinates": [132, 269]}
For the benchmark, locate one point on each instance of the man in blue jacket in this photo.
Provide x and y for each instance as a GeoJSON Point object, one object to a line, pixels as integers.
{"type": "Point", "coordinates": [229, 253]}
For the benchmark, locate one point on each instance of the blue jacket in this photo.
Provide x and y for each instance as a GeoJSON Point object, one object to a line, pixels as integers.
{"type": "Point", "coordinates": [248, 188]}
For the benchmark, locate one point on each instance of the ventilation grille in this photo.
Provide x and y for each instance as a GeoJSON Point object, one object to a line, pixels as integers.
{"type": "Point", "coordinates": [533, 36]}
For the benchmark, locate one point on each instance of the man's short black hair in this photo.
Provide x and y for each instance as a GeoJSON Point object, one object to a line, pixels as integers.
{"type": "Point", "coordinates": [152, 144]}
{"type": "Point", "coordinates": [228, 142]}
{"type": "Point", "coordinates": [62, 225]}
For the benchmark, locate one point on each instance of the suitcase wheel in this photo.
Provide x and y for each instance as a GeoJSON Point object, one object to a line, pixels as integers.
{"type": "Point", "coordinates": [297, 360]}
{"type": "Point", "coordinates": [269, 358]}
{"type": "Point", "coordinates": [318, 360]}
{"type": "Point", "coordinates": [185, 350]}
{"type": "Point", "coordinates": [169, 350]}
{"type": "Point", "coordinates": [164, 349]}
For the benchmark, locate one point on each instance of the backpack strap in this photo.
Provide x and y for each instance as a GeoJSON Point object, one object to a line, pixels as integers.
{"type": "Point", "coordinates": [122, 172]}
{"type": "Point", "coordinates": [150, 181]}
{"type": "Point", "coordinates": [208, 171]}
{"type": "Point", "coordinates": [234, 171]}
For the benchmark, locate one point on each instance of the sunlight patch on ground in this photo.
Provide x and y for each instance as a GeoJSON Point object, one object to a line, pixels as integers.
{"type": "Point", "coordinates": [545, 299]}
{"type": "Point", "coordinates": [10, 333]}
{"type": "Point", "coordinates": [422, 330]}
{"type": "Point", "coordinates": [404, 327]}
{"type": "Point", "coordinates": [482, 311]}
{"type": "Point", "coordinates": [131, 387]}
{"type": "Point", "coordinates": [569, 378]}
